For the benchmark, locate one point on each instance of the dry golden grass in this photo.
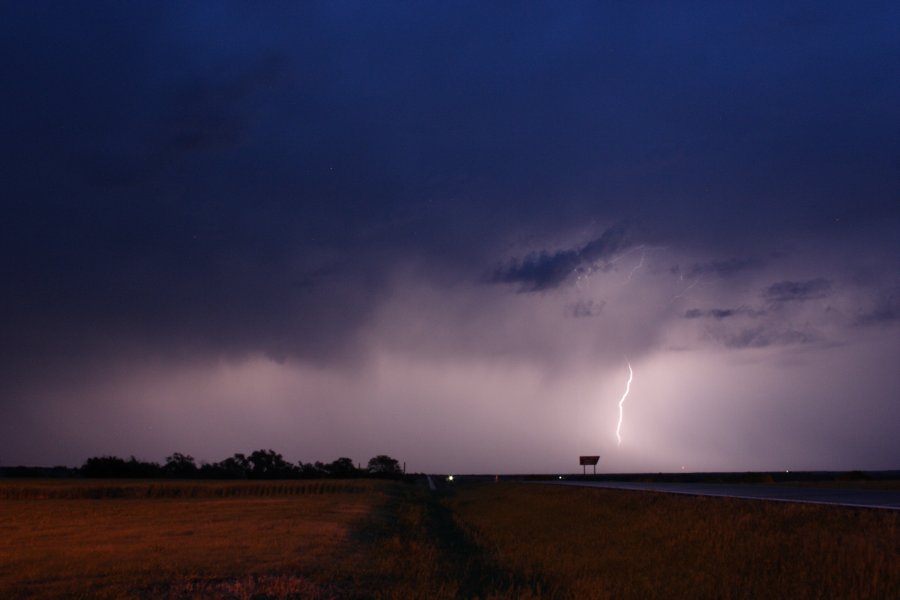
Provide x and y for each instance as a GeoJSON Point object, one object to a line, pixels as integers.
{"type": "Point", "coordinates": [47, 489]}
{"type": "Point", "coordinates": [279, 537]}
{"type": "Point", "coordinates": [590, 543]}
{"type": "Point", "coordinates": [381, 540]}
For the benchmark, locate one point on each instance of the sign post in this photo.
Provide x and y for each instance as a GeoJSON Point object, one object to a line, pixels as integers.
{"type": "Point", "coordinates": [588, 460]}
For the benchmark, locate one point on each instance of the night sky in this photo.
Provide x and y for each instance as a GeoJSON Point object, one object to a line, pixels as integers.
{"type": "Point", "coordinates": [442, 231]}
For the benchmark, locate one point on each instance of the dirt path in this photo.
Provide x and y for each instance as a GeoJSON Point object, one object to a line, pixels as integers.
{"type": "Point", "coordinates": [417, 549]}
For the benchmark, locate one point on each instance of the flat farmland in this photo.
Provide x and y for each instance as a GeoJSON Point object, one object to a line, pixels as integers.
{"type": "Point", "coordinates": [191, 539]}
{"type": "Point", "coordinates": [599, 543]}
{"type": "Point", "coordinates": [369, 539]}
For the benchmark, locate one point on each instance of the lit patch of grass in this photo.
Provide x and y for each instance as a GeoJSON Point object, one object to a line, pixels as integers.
{"type": "Point", "coordinates": [120, 544]}
{"type": "Point", "coordinates": [136, 489]}
{"type": "Point", "coordinates": [618, 544]}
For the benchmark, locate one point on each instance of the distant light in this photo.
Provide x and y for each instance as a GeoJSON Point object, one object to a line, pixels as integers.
{"type": "Point", "coordinates": [560, 476]}
{"type": "Point", "coordinates": [786, 471]}
{"type": "Point", "coordinates": [450, 478]}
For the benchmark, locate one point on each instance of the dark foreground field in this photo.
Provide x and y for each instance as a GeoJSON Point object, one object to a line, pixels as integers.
{"type": "Point", "coordinates": [370, 539]}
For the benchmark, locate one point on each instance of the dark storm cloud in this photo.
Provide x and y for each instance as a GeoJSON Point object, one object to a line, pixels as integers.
{"type": "Point", "coordinates": [798, 291]}
{"type": "Point", "coordinates": [197, 182]}
{"type": "Point", "coordinates": [585, 308]}
{"type": "Point", "coordinates": [714, 313]}
{"type": "Point", "coordinates": [886, 312]}
{"type": "Point", "coordinates": [722, 268]}
{"type": "Point", "coordinates": [544, 270]}
{"type": "Point", "coordinates": [722, 313]}
{"type": "Point", "coordinates": [763, 337]}
{"type": "Point", "coordinates": [210, 113]}
{"type": "Point", "coordinates": [237, 150]}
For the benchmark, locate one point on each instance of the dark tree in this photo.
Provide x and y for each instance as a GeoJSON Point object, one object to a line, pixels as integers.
{"type": "Point", "coordinates": [180, 465]}
{"type": "Point", "coordinates": [115, 467]}
{"type": "Point", "coordinates": [233, 467]}
{"type": "Point", "coordinates": [342, 468]}
{"type": "Point", "coordinates": [314, 470]}
{"type": "Point", "coordinates": [384, 466]}
{"type": "Point", "coordinates": [268, 464]}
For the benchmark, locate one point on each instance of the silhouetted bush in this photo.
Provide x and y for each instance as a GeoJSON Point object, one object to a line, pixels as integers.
{"type": "Point", "coordinates": [115, 467]}
{"type": "Point", "coordinates": [268, 464]}
{"type": "Point", "coordinates": [259, 464]}
{"type": "Point", "coordinates": [40, 472]}
{"type": "Point", "coordinates": [384, 466]}
{"type": "Point", "coordinates": [180, 465]}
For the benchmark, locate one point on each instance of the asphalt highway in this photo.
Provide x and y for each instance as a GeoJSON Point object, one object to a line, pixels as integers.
{"type": "Point", "coordinates": [859, 498]}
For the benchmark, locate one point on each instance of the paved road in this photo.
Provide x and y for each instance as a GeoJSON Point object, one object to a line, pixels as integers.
{"type": "Point", "coordinates": [886, 499]}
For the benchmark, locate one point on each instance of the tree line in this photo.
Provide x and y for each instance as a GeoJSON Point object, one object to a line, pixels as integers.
{"type": "Point", "coordinates": [259, 464]}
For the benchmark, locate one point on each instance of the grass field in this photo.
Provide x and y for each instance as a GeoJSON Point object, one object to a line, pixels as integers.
{"type": "Point", "coordinates": [592, 543]}
{"type": "Point", "coordinates": [191, 539]}
{"type": "Point", "coordinates": [368, 539]}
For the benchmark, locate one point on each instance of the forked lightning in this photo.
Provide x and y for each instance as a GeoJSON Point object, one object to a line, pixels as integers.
{"type": "Point", "coordinates": [622, 401]}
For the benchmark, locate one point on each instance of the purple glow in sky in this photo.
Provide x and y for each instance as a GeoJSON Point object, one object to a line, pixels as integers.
{"type": "Point", "coordinates": [435, 231]}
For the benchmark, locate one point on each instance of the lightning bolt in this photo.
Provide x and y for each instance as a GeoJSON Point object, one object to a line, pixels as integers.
{"type": "Point", "coordinates": [622, 401]}
{"type": "Point", "coordinates": [636, 267]}
{"type": "Point", "coordinates": [685, 290]}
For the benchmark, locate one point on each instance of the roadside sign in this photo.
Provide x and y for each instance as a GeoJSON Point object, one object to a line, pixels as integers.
{"type": "Point", "coordinates": [588, 460]}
